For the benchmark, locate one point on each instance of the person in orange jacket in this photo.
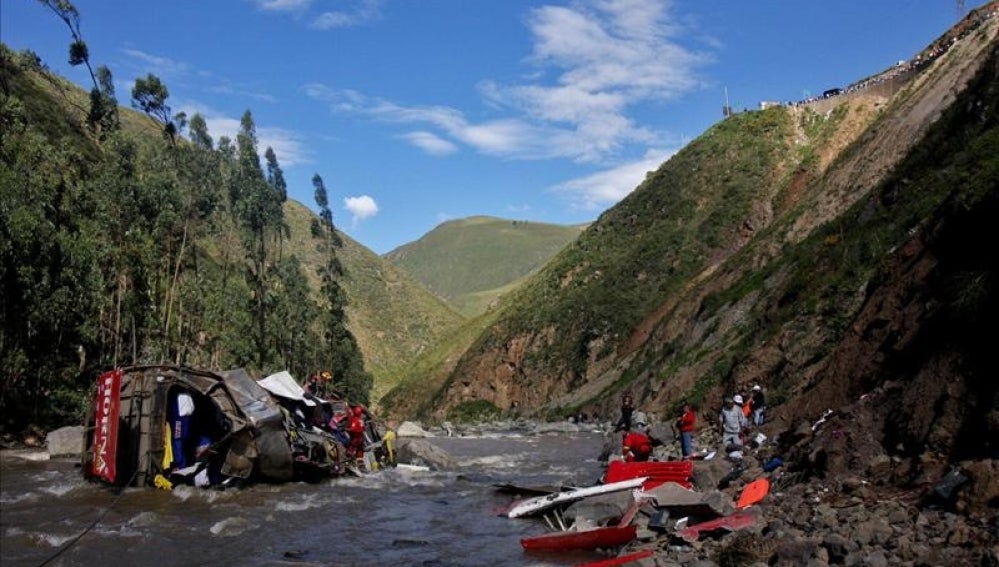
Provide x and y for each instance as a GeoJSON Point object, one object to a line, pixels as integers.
{"type": "Point", "coordinates": [636, 446]}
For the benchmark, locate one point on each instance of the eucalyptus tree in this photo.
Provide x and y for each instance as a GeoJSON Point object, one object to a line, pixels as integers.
{"type": "Point", "coordinates": [103, 104]}
{"type": "Point", "coordinates": [49, 277]}
{"type": "Point", "coordinates": [295, 314]}
{"type": "Point", "coordinates": [259, 212]}
{"type": "Point", "coordinates": [197, 177]}
{"type": "Point", "coordinates": [228, 318]}
{"type": "Point", "coordinates": [149, 95]}
{"type": "Point", "coordinates": [186, 176]}
{"type": "Point", "coordinates": [279, 195]}
{"type": "Point", "coordinates": [103, 114]}
{"type": "Point", "coordinates": [198, 132]}
{"type": "Point", "coordinates": [346, 361]}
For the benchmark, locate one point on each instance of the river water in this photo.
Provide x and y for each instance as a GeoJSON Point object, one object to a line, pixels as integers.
{"type": "Point", "coordinates": [391, 517]}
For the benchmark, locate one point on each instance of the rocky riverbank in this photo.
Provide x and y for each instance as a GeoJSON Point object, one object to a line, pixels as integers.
{"type": "Point", "coordinates": [853, 511]}
{"type": "Point", "coordinates": [848, 521]}
{"type": "Point", "coordinates": [819, 512]}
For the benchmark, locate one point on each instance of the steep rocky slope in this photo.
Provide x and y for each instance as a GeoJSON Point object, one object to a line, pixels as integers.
{"type": "Point", "coordinates": [842, 265]}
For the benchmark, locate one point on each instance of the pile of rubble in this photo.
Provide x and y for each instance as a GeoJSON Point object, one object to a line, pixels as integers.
{"type": "Point", "coordinates": [816, 514]}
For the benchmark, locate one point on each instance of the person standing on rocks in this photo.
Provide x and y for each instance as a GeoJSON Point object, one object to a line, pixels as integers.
{"type": "Point", "coordinates": [759, 403]}
{"type": "Point", "coordinates": [733, 422]}
{"type": "Point", "coordinates": [685, 425]}
{"type": "Point", "coordinates": [627, 408]}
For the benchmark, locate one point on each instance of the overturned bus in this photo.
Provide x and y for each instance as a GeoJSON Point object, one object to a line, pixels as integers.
{"type": "Point", "coordinates": [163, 425]}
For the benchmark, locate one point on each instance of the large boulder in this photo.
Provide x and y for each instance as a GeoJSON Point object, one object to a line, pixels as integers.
{"type": "Point", "coordinates": [599, 510]}
{"type": "Point", "coordinates": [676, 498]}
{"type": "Point", "coordinates": [411, 429]}
{"type": "Point", "coordinates": [65, 442]}
{"type": "Point", "coordinates": [422, 452]}
{"type": "Point", "coordinates": [982, 492]}
{"type": "Point", "coordinates": [557, 427]}
{"type": "Point", "coordinates": [707, 474]}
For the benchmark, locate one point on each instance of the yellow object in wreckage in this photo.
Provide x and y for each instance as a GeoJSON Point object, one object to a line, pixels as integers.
{"type": "Point", "coordinates": [159, 480]}
{"type": "Point", "coordinates": [389, 439]}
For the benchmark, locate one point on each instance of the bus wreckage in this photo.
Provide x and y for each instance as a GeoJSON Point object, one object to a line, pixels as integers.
{"type": "Point", "coordinates": [167, 425]}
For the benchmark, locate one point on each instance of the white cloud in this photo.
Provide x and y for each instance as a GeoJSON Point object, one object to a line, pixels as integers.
{"type": "Point", "coordinates": [163, 66]}
{"type": "Point", "coordinates": [358, 12]}
{"type": "Point", "coordinates": [430, 143]}
{"type": "Point", "coordinates": [506, 138]}
{"type": "Point", "coordinates": [361, 207]}
{"type": "Point", "coordinates": [227, 89]}
{"type": "Point", "coordinates": [287, 145]}
{"type": "Point", "coordinates": [593, 62]}
{"type": "Point", "coordinates": [353, 13]}
{"type": "Point", "coordinates": [609, 55]}
{"type": "Point", "coordinates": [166, 68]}
{"type": "Point", "coordinates": [602, 189]}
{"type": "Point", "coordinates": [283, 5]}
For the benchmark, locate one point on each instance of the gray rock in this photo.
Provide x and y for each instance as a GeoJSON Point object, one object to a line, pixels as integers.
{"type": "Point", "coordinates": [898, 516]}
{"type": "Point", "coordinates": [853, 559]}
{"type": "Point", "coordinates": [65, 441]}
{"type": "Point", "coordinates": [903, 547]}
{"type": "Point", "coordinates": [876, 558]}
{"type": "Point", "coordinates": [875, 531]}
{"type": "Point", "coordinates": [595, 511]}
{"type": "Point", "coordinates": [707, 474]}
{"type": "Point", "coordinates": [422, 452]}
{"type": "Point", "coordinates": [882, 531]}
{"type": "Point", "coordinates": [557, 427]}
{"type": "Point", "coordinates": [838, 547]}
{"type": "Point", "coordinates": [411, 429]}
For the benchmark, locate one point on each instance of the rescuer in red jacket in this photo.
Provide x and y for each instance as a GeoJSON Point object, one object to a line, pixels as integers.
{"type": "Point", "coordinates": [355, 427]}
{"type": "Point", "coordinates": [636, 446]}
{"type": "Point", "coordinates": [685, 424]}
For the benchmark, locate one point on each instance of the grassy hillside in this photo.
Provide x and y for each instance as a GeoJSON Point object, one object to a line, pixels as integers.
{"type": "Point", "coordinates": [392, 316]}
{"type": "Point", "coordinates": [748, 255]}
{"type": "Point", "coordinates": [470, 262]}
{"type": "Point", "coordinates": [683, 219]}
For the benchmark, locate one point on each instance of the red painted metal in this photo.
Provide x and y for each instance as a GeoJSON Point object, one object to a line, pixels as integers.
{"type": "Point", "coordinates": [589, 539]}
{"type": "Point", "coordinates": [106, 432]}
{"type": "Point", "coordinates": [731, 523]}
{"type": "Point", "coordinates": [659, 472]}
{"type": "Point", "coordinates": [620, 560]}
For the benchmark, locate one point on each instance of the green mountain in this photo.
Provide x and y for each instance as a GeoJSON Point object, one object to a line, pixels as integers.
{"type": "Point", "coordinates": [392, 316]}
{"type": "Point", "coordinates": [471, 262]}
{"type": "Point", "coordinates": [836, 253]}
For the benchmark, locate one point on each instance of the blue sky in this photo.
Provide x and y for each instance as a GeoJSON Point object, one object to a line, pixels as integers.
{"type": "Point", "coordinates": [419, 111]}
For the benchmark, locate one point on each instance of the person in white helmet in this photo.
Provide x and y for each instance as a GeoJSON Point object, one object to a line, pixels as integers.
{"type": "Point", "coordinates": [733, 422]}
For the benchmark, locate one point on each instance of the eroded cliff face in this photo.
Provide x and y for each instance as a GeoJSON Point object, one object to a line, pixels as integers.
{"type": "Point", "coordinates": [889, 330]}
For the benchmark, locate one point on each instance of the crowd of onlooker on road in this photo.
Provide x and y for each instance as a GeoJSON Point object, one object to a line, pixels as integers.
{"type": "Point", "coordinates": [906, 69]}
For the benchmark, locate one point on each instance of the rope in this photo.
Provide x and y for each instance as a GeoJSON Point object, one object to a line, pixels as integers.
{"type": "Point", "coordinates": [92, 525]}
